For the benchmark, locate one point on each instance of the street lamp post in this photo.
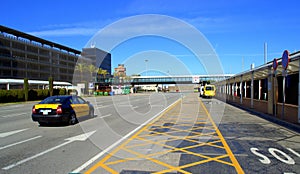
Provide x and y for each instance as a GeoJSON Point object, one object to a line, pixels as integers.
{"type": "Point", "coordinates": [146, 60]}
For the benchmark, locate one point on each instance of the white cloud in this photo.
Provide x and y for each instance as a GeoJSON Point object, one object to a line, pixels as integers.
{"type": "Point", "coordinates": [65, 32]}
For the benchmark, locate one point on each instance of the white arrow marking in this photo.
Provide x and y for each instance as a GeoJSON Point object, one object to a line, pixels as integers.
{"type": "Point", "coordinates": [14, 115]}
{"type": "Point", "coordinates": [93, 159]}
{"type": "Point", "coordinates": [6, 134]}
{"type": "Point", "coordinates": [81, 137]}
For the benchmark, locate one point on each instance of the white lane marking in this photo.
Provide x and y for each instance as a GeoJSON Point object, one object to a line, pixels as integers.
{"type": "Point", "coordinates": [11, 108]}
{"type": "Point", "coordinates": [131, 106]}
{"type": "Point", "coordinates": [6, 134]}
{"type": "Point", "coordinates": [14, 115]}
{"type": "Point", "coordinates": [20, 142]}
{"type": "Point", "coordinates": [81, 137]}
{"type": "Point", "coordinates": [104, 106]}
{"type": "Point", "coordinates": [93, 159]}
{"type": "Point", "coordinates": [108, 115]}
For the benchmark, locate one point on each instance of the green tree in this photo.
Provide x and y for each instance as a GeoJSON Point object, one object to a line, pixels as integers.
{"type": "Point", "coordinates": [51, 86]}
{"type": "Point", "coordinates": [102, 72]}
{"type": "Point", "coordinates": [92, 69]}
{"type": "Point", "coordinates": [80, 67]}
{"type": "Point", "coordinates": [26, 88]}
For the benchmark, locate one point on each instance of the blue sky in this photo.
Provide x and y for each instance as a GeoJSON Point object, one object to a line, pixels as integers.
{"type": "Point", "coordinates": [236, 29]}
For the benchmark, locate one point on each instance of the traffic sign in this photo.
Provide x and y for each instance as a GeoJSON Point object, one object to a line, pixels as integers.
{"type": "Point", "coordinates": [275, 64]}
{"type": "Point", "coordinates": [285, 59]}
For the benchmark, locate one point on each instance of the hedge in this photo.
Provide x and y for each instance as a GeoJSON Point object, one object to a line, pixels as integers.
{"type": "Point", "coordinates": [18, 95]}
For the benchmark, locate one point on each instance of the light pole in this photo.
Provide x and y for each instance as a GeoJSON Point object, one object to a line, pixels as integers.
{"type": "Point", "coordinates": [146, 60]}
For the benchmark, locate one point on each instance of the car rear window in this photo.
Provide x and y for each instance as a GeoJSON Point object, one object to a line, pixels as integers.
{"type": "Point", "coordinates": [209, 88]}
{"type": "Point", "coordinates": [54, 100]}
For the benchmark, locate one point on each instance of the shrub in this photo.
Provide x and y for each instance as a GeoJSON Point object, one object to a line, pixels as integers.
{"type": "Point", "coordinates": [62, 91]}
{"type": "Point", "coordinates": [26, 89]}
{"type": "Point", "coordinates": [55, 92]}
{"type": "Point", "coordinates": [51, 91]}
{"type": "Point", "coordinates": [3, 95]}
{"type": "Point", "coordinates": [32, 95]}
{"type": "Point", "coordinates": [46, 93]}
{"type": "Point", "coordinates": [21, 95]}
{"type": "Point", "coordinates": [13, 95]}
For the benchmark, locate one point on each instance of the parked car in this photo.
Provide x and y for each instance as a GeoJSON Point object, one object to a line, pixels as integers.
{"type": "Point", "coordinates": [61, 109]}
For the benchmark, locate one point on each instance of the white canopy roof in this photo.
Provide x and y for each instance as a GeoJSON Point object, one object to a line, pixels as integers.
{"type": "Point", "coordinates": [33, 82]}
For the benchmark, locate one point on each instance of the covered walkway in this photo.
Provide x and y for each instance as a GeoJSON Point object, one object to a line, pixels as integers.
{"type": "Point", "coordinates": [39, 84]}
{"type": "Point", "coordinates": [262, 88]}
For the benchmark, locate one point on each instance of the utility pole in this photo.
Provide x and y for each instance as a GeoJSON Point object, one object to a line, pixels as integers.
{"type": "Point", "coordinates": [265, 52]}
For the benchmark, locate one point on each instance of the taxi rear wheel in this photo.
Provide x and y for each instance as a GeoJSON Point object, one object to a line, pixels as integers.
{"type": "Point", "coordinates": [91, 114]}
{"type": "Point", "coordinates": [72, 119]}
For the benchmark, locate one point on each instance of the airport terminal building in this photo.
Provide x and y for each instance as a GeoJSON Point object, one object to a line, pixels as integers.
{"type": "Point", "coordinates": [26, 56]}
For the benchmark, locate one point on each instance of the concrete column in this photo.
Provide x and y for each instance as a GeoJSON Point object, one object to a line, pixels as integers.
{"type": "Point", "coordinates": [245, 87]}
{"type": "Point", "coordinates": [234, 90]}
{"type": "Point", "coordinates": [259, 89]}
{"type": "Point", "coordinates": [299, 95]}
{"type": "Point", "coordinates": [241, 90]}
{"type": "Point", "coordinates": [228, 88]}
{"type": "Point", "coordinates": [7, 86]}
{"type": "Point", "coordinates": [270, 91]}
{"type": "Point", "coordinates": [252, 88]}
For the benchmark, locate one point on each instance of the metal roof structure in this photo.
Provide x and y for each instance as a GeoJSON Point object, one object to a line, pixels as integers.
{"type": "Point", "coordinates": [262, 71]}
{"type": "Point", "coordinates": [33, 82]}
{"type": "Point", "coordinates": [17, 33]}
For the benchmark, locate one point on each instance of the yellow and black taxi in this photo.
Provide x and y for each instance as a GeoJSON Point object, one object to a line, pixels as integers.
{"type": "Point", "coordinates": [209, 91]}
{"type": "Point", "coordinates": [61, 109]}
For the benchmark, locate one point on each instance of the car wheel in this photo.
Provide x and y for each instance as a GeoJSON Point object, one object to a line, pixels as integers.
{"type": "Point", "coordinates": [72, 119]}
{"type": "Point", "coordinates": [92, 113]}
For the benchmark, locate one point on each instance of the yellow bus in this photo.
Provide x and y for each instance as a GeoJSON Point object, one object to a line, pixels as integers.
{"type": "Point", "coordinates": [209, 91]}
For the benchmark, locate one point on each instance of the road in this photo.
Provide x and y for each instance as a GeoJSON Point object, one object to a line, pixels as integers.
{"type": "Point", "coordinates": [249, 144]}
{"type": "Point", "coordinates": [24, 145]}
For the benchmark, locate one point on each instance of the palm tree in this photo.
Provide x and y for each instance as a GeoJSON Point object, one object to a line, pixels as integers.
{"type": "Point", "coordinates": [102, 72]}
{"type": "Point", "coordinates": [92, 69]}
{"type": "Point", "coordinates": [81, 68]}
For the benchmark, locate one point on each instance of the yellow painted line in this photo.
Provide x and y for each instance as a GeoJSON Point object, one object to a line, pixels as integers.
{"type": "Point", "coordinates": [138, 136]}
{"type": "Point", "coordinates": [100, 163]}
{"type": "Point", "coordinates": [195, 163]}
{"type": "Point", "coordinates": [153, 160]}
{"type": "Point", "coordinates": [236, 164]}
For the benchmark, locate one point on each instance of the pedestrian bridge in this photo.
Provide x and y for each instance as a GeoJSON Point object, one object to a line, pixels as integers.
{"type": "Point", "coordinates": [177, 79]}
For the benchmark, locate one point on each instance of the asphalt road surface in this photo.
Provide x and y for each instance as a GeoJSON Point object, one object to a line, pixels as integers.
{"type": "Point", "coordinates": [245, 142]}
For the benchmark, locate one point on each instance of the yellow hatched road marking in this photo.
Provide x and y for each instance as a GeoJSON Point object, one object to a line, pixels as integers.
{"type": "Point", "coordinates": [236, 164]}
{"type": "Point", "coordinates": [101, 162]}
{"type": "Point", "coordinates": [153, 129]}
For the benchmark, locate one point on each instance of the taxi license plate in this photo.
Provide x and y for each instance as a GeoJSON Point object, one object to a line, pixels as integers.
{"type": "Point", "coordinates": [45, 112]}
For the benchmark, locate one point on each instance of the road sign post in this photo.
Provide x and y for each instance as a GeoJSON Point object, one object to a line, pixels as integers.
{"type": "Point", "coordinates": [285, 63]}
